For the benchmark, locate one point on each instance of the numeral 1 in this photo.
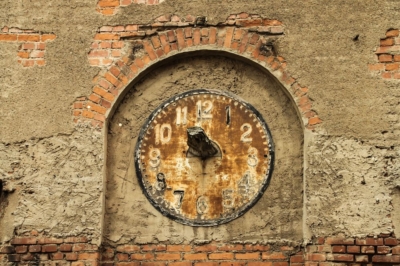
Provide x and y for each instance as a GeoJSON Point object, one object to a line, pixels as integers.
{"type": "Point", "coordinates": [181, 115]}
{"type": "Point", "coordinates": [163, 133]}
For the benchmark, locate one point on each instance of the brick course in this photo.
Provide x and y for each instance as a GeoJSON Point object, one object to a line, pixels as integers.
{"type": "Point", "coordinates": [110, 7]}
{"type": "Point", "coordinates": [32, 44]}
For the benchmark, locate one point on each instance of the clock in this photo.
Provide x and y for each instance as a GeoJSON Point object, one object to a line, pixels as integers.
{"type": "Point", "coordinates": [204, 157]}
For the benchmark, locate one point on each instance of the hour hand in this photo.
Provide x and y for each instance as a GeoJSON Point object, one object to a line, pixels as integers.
{"type": "Point", "coordinates": [200, 145]}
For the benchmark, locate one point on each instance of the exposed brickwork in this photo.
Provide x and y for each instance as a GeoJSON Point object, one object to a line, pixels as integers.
{"type": "Point", "coordinates": [32, 44]}
{"type": "Point", "coordinates": [209, 254]}
{"type": "Point", "coordinates": [75, 251]}
{"type": "Point", "coordinates": [388, 56]}
{"type": "Point", "coordinates": [110, 7]}
{"type": "Point", "coordinates": [246, 35]}
{"type": "Point", "coordinates": [384, 249]}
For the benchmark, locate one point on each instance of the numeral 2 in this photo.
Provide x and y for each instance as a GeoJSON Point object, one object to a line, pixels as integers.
{"type": "Point", "coordinates": [246, 127]}
{"type": "Point", "coordinates": [204, 110]}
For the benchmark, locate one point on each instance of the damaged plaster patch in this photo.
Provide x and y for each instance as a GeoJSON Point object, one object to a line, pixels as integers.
{"type": "Point", "coordinates": [348, 187]}
{"type": "Point", "coordinates": [58, 181]}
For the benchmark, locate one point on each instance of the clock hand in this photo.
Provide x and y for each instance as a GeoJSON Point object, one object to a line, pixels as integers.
{"type": "Point", "coordinates": [200, 145]}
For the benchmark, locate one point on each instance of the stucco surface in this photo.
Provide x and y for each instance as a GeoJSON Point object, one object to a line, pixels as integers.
{"type": "Point", "coordinates": [56, 167]}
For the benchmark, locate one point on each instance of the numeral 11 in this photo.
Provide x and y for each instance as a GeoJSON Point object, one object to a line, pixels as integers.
{"type": "Point", "coordinates": [181, 115]}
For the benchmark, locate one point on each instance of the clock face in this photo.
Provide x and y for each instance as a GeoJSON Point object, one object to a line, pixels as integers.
{"type": "Point", "coordinates": [204, 157]}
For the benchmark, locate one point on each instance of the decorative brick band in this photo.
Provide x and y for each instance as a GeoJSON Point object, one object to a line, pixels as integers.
{"type": "Point", "coordinates": [248, 36]}
{"type": "Point", "coordinates": [110, 7]}
{"type": "Point", "coordinates": [202, 255]}
{"type": "Point", "coordinates": [388, 56]}
{"type": "Point", "coordinates": [33, 44]}
{"type": "Point", "coordinates": [354, 251]}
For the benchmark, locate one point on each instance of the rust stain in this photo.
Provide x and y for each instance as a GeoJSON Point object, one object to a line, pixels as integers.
{"type": "Point", "coordinates": [214, 188]}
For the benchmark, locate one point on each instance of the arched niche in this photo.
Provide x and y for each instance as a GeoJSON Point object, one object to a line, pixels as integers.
{"type": "Point", "coordinates": [278, 215]}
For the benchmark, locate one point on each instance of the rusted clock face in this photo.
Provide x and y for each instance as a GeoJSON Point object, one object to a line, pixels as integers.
{"type": "Point", "coordinates": [204, 157]}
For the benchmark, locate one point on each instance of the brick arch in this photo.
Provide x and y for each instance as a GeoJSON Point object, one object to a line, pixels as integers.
{"type": "Point", "coordinates": [247, 37]}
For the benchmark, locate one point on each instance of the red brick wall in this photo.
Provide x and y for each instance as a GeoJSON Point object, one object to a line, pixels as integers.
{"type": "Point", "coordinates": [324, 251]}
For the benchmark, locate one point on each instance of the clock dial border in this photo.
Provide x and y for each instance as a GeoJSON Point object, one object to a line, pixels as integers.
{"type": "Point", "coordinates": [243, 208]}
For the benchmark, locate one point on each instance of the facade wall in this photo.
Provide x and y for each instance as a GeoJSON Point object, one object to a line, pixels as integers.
{"type": "Point", "coordinates": [79, 78]}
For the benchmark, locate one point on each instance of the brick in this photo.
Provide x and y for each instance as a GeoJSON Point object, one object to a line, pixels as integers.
{"type": "Point", "coordinates": [122, 257]}
{"type": "Point", "coordinates": [87, 114]}
{"type": "Point", "coordinates": [49, 248]}
{"type": "Point", "coordinates": [386, 75]}
{"type": "Point", "coordinates": [134, 263]}
{"type": "Point", "coordinates": [316, 257]}
{"type": "Point", "coordinates": [146, 256]}
{"type": "Point", "coordinates": [396, 250]}
{"type": "Point", "coordinates": [281, 263]}
{"type": "Point", "coordinates": [369, 241]}
{"type": "Point", "coordinates": [259, 263]}
{"type": "Point", "coordinates": [195, 256]}
{"type": "Point", "coordinates": [88, 256]}
{"type": "Point", "coordinates": [28, 37]}
{"type": "Point", "coordinates": [7, 250]}
{"type": "Point", "coordinates": [41, 46]}
{"type": "Point", "coordinates": [153, 263]}
{"type": "Point", "coordinates": [368, 249]}
{"type": "Point", "coordinates": [273, 256]}
{"type": "Point", "coordinates": [99, 53]}
{"type": "Point", "coordinates": [212, 35]}
{"type": "Point", "coordinates": [236, 263]}
{"type": "Point", "coordinates": [392, 66]}
{"type": "Point", "coordinates": [392, 241]}
{"type": "Point", "coordinates": [57, 256]}
{"type": "Point", "coordinates": [106, 36]}
{"type": "Point", "coordinates": [361, 258]}
{"type": "Point", "coordinates": [228, 37]}
{"type": "Point", "coordinates": [343, 257]}
{"type": "Point", "coordinates": [181, 38]}
{"type": "Point", "coordinates": [387, 42]}
{"type": "Point", "coordinates": [23, 54]}
{"type": "Point", "coordinates": [206, 264]}
{"type": "Point", "coordinates": [220, 256]}
{"type": "Point", "coordinates": [127, 248]}
{"type": "Point", "coordinates": [196, 36]}
{"type": "Point", "coordinates": [14, 257]}
{"type": "Point", "coordinates": [385, 58]}
{"type": "Point", "coordinates": [188, 32]}
{"type": "Point", "coordinates": [108, 3]}
{"type": "Point", "coordinates": [168, 256]}
{"type": "Point", "coordinates": [28, 46]}
{"type": "Point", "coordinates": [247, 256]}
{"type": "Point", "coordinates": [47, 37]}
{"type": "Point", "coordinates": [353, 249]}
{"type": "Point", "coordinates": [297, 259]}
{"type": "Point", "coordinates": [179, 248]}
{"type": "Point", "coordinates": [8, 37]}
{"type": "Point", "coordinates": [171, 36]}
{"type": "Point", "coordinates": [392, 33]}
{"type": "Point", "coordinates": [182, 263]}
{"type": "Point", "coordinates": [386, 259]}
{"type": "Point", "coordinates": [65, 247]}
{"type": "Point", "coordinates": [21, 249]}
{"type": "Point", "coordinates": [24, 241]}
{"type": "Point", "coordinates": [71, 256]}
{"type": "Point", "coordinates": [149, 49]}
{"type": "Point", "coordinates": [37, 54]}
